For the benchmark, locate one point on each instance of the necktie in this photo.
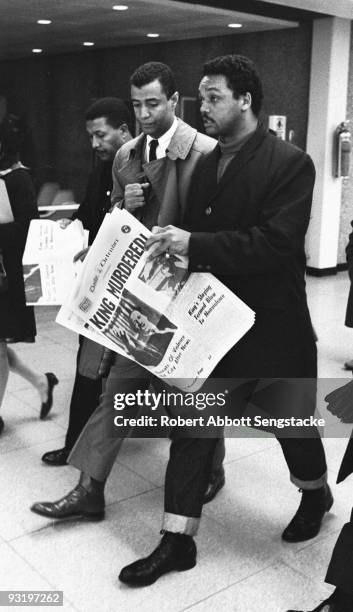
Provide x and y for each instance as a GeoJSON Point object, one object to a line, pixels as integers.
{"type": "Point", "coordinates": [153, 147]}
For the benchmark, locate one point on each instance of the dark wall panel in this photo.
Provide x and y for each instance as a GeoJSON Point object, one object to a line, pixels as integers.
{"type": "Point", "coordinates": [53, 92]}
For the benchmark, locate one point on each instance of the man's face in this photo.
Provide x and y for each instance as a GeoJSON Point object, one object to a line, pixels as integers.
{"type": "Point", "coordinates": [140, 321]}
{"type": "Point", "coordinates": [154, 112]}
{"type": "Point", "coordinates": [221, 112]}
{"type": "Point", "coordinates": [105, 139]}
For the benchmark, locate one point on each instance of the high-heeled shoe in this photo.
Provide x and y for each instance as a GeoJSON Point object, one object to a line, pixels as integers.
{"type": "Point", "coordinates": [46, 406]}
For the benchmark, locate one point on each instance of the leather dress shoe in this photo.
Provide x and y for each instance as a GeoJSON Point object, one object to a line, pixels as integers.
{"type": "Point", "coordinates": [306, 522]}
{"type": "Point", "coordinates": [337, 602]}
{"type": "Point", "coordinates": [46, 406]}
{"type": "Point", "coordinates": [78, 503]}
{"type": "Point", "coordinates": [56, 457]}
{"type": "Point", "coordinates": [175, 551]}
{"type": "Point", "coordinates": [217, 481]}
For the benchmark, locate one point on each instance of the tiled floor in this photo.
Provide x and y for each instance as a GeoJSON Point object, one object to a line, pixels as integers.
{"type": "Point", "coordinates": [243, 566]}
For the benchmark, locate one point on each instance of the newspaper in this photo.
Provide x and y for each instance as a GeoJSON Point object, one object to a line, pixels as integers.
{"type": "Point", "coordinates": [6, 215]}
{"type": "Point", "coordinates": [48, 267]}
{"type": "Point", "coordinates": [153, 310]}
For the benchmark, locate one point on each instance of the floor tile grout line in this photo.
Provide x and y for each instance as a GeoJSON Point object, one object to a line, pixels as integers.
{"type": "Point", "coordinates": [12, 450]}
{"type": "Point", "coordinates": [137, 474]}
{"type": "Point", "coordinates": [53, 522]}
{"type": "Point", "coordinates": [118, 501]}
{"type": "Point", "coordinates": [34, 569]}
{"type": "Point", "coordinates": [229, 586]}
{"type": "Point", "coordinates": [302, 575]}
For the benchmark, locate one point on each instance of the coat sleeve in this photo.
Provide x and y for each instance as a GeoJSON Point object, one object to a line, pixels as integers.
{"type": "Point", "coordinates": [280, 233]}
{"type": "Point", "coordinates": [83, 211]}
{"type": "Point", "coordinates": [24, 208]}
{"type": "Point", "coordinates": [118, 188]}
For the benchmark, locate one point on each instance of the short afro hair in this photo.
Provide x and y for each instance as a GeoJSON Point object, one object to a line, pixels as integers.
{"type": "Point", "coordinates": [241, 77]}
{"type": "Point", "coordinates": [114, 110]}
{"type": "Point", "coordinates": [150, 72]}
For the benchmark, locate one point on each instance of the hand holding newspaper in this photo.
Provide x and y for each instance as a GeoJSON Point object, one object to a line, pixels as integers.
{"type": "Point", "coordinates": [48, 267]}
{"type": "Point", "coordinates": [153, 311]}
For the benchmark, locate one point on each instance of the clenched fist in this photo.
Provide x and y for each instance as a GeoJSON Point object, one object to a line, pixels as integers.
{"type": "Point", "coordinates": [134, 196]}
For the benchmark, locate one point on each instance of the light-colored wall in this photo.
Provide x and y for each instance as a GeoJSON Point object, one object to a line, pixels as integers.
{"type": "Point", "coordinates": [347, 186]}
{"type": "Point", "coordinates": [327, 108]}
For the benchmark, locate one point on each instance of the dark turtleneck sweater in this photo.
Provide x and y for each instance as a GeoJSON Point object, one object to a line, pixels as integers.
{"type": "Point", "coordinates": [228, 151]}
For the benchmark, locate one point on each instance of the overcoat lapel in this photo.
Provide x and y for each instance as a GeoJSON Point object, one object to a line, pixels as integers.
{"type": "Point", "coordinates": [132, 171]}
{"type": "Point", "coordinates": [154, 172]}
{"type": "Point", "coordinates": [237, 163]}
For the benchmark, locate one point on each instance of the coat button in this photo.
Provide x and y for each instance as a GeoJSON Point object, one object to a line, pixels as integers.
{"type": "Point", "coordinates": [208, 268]}
{"type": "Point", "coordinates": [199, 266]}
{"type": "Point", "coordinates": [208, 210]}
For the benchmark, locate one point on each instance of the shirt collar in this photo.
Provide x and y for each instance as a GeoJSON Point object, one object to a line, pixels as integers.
{"type": "Point", "coordinates": [164, 140]}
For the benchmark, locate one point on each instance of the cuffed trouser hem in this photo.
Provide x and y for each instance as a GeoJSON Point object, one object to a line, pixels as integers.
{"type": "Point", "coordinates": [309, 485]}
{"type": "Point", "coordinates": [177, 523]}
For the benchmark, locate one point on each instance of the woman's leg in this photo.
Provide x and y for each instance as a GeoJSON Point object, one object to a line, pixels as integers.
{"type": "Point", "coordinates": [39, 381]}
{"type": "Point", "coordinates": [4, 369]}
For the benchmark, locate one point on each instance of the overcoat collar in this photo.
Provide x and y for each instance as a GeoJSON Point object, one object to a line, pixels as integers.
{"type": "Point", "coordinates": [179, 146]}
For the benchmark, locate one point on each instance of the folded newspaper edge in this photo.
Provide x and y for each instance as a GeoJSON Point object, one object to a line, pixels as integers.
{"type": "Point", "coordinates": [153, 310]}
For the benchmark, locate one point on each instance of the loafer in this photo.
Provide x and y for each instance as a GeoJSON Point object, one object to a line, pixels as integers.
{"type": "Point", "coordinates": [46, 406]}
{"type": "Point", "coordinates": [175, 551]}
{"type": "Point", "coordinates": [306, 522]}
{"type": "Point", "coordinates": [217, 481]}
{"type": "Point", "coordinates": [56, 457]}
{"type": "Point", "coordinates": [78, 503]}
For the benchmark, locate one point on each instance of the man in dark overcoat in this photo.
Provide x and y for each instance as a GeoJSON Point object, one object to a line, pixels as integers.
{"type": "Point", "coordinates": [248, 213]}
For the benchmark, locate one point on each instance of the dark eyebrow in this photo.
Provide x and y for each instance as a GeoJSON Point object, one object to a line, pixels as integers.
{"type": "Point", "coordinates": [147, 100]}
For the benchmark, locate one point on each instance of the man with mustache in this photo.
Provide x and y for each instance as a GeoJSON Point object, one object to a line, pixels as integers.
{"type": "Point", "coordinates": [108, 123]}
{"type": "Point", "coordinates": [248, 212]}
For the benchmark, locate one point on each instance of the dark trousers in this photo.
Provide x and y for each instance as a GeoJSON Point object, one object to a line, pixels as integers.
{"type": "Point", "coordinates": [84, 401]}
{"type": "Point", "coordinates": [190, 464]}
{"type": "Point", "coordinates": [339, 571]}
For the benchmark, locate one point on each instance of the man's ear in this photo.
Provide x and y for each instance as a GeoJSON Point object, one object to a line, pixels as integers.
{"type": "Point", "coordinates": [124, 131]}
{"type": "Point", "coordinates": [247, 101]}
{"type": "Point", "coordinates": [174, 98]}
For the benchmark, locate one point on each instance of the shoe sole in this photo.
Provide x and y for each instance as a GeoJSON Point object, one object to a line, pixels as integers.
{"type": "Point", "coordinates": [181, 568]}
{"type": "Point", "coordinates": [87, 517]}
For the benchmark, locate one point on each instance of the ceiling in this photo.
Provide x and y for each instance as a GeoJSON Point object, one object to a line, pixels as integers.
{"type": "Point", "coordinates": [338, 8]}
{"type": "Point", "coordinates": [77, 21]}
